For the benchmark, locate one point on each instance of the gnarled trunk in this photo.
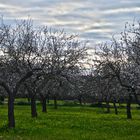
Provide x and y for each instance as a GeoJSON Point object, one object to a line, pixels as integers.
{"type": "Point", "coordinates": [115, 107]}
{"type": "Point", "coordinates": [11, 117]}
{"type": "Point", "coordinates": [28, 99]}
{"type": "Point", "coordinates": [33, 107]}
{"type": "Point", "coordinates": [107, 107]}
{"type": "Point", "coordinates": [99, 103]}
{"type": "Point", "coordinates": [48, 100]}
{"type": "Point", "coordinates": [55, 103]}
{"type": "Point", "coordinates": [44, 108]}
{"type": "Point", "coordinates": [128, 108]}
{"type": "Point", "coordinates": [136, 96]}
{"type": "Point", "coordinates": [80, 100]}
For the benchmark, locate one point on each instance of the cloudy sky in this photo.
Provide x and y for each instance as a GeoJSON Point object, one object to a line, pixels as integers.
{"type": "Point", "coordinates": [94, 20]}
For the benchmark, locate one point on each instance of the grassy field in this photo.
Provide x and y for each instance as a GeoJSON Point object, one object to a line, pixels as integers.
{"type": "Point", "coordinates": [70, 123]}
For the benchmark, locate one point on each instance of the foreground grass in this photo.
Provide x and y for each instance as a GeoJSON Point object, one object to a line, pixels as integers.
{"type": "Point", "coordinates": [70, 123]}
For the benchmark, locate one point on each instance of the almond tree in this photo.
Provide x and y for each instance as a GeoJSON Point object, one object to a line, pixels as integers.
{"type": "Point", "coordinates": [18, 60]}
{"type": "Point", "coordinates": [118, 60]}
{"type": "Point", "coordinates": [66, 55]}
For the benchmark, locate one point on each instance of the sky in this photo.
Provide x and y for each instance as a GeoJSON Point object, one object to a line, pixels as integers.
{"type": "Point", "coordinates": [93, 20]}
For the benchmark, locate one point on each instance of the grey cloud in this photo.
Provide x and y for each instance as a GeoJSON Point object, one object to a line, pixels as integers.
{"type": "Point", "coordinates": [91, 19]}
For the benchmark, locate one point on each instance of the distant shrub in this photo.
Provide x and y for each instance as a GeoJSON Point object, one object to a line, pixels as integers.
{"type": "Point", "coordinates": [22, 103]}
{"type": "Point", "coordinates": [97, 105]}
{"type": "Point", "coordinates": [138, 107]}
{"type": "Point", "coordinates": [1, 102]}
{"type": "Point", "coordinates": [70, 103]}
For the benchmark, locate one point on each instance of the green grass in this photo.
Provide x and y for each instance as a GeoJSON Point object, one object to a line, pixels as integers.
{"type": "Point", "coordinates": [70, 123]}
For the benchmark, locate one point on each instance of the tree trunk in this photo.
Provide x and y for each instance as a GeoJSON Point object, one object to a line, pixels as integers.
{"type": "Point", "coordinates": [80, 100]}
{"type": "Point", "coordinates": [108, 107]}
{"type": "Point", "coordinates": [119, 104]}
{"type": "Point", "coordinates": [128, 108]}
{"type": "Point", "coordinates": [44, 109]}
{"type": "Point", "coordinates": [136, 97]}
{"type": "Point", "coordinates": [115, 107]}
{"type": "Point", "coordinates": [29, 101]}
{"type": "Point", "coordinates": [33, 107]}
{"type": "Point", "coordinates": [11, 117]}
{"type": "Point", "coordinates": [48, 100]}
{"type": "Point", "coordinates": [100, 103]}
{"type": "Point", "coordinates": [55, 103]}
